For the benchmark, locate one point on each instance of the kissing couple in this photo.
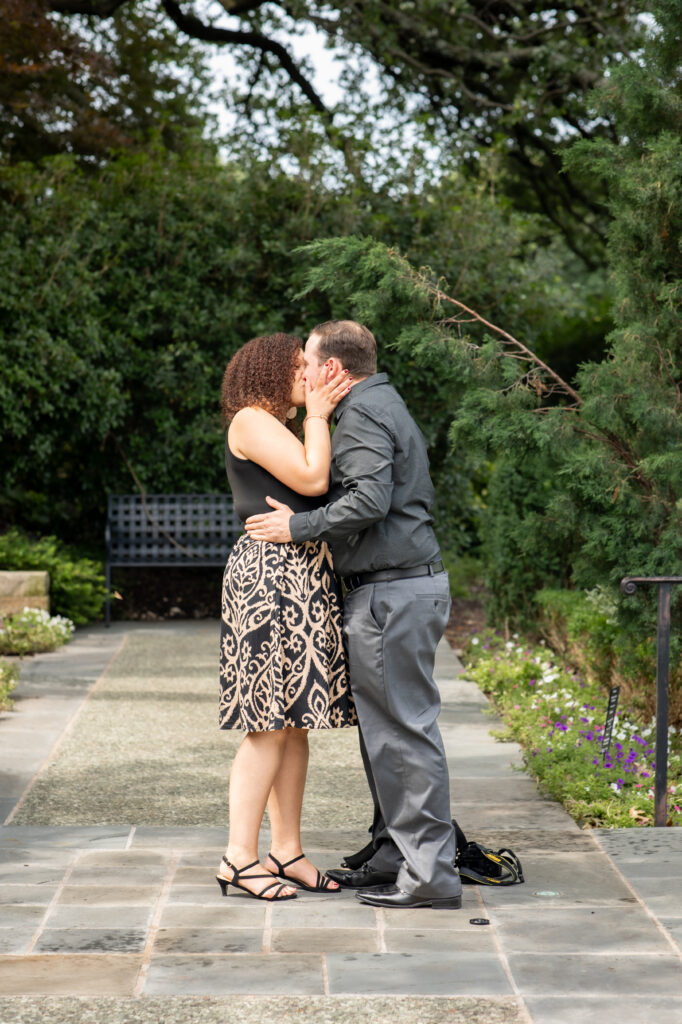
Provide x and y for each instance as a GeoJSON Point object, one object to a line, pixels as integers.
{"type": "Point", "coordinates": [294, 654]}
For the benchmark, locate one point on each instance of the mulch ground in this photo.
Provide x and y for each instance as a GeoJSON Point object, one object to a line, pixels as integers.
{"type": "Point", "coordinates": [156, 594]}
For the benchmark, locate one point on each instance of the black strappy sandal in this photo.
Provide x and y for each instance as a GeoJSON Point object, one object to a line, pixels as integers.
{"type": "Point", "coordinates": [322, 884]}
{"type": "Point", "coordinates": [236, 872]}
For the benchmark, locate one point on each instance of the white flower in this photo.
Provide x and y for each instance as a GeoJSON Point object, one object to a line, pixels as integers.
{"type": "Point", "coordinates": [475, 640]}
{"type": "Point", "coordinates": [614, 787]}
{"type": "Point", "coordinates": [509, 645]}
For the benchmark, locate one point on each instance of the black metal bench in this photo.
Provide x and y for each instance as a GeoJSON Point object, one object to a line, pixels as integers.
{"type": "Point", "coordinates": [168, 530]}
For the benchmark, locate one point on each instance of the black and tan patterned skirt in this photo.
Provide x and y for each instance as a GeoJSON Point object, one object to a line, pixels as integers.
{"type": "Point", "coordinates": [282, 661]}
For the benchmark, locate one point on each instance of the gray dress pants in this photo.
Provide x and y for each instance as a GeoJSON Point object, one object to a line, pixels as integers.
{"type": "Point", "coordinates": [392, 631]}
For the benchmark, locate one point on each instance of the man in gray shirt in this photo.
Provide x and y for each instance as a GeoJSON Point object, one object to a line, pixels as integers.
{"type": "Point", "coordinates": [379, 526]}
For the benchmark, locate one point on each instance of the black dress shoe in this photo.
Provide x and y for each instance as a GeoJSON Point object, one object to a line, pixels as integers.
{"type": "Point", "coordinates": [392, 896]}
{"type": "Point", "coordinates": [363, 878]}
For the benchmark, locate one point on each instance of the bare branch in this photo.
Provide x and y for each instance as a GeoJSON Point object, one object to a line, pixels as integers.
{"type": "Point", "coordinates": [237, 9]}
{"type": "Point", "coordinates": [192, 26]}
{"type": "Point", "coordinates": [521, 351]}
{"type": "Point", "coordinates": [98, 8]}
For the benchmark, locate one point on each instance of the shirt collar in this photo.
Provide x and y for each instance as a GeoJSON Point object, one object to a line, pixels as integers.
{"type": "Point", "coordinates": [362, 385]}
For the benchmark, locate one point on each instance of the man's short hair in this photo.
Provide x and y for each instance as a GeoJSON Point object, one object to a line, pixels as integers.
{"type": "Point", "coordinates": [351, 343]}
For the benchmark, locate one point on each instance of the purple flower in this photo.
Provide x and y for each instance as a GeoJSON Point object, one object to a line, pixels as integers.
{"type": "Point", "coordinates": [586, 720]}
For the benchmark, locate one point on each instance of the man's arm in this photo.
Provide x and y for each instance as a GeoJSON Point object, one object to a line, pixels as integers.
{"type": "Point", "coordinates": [363, 455]}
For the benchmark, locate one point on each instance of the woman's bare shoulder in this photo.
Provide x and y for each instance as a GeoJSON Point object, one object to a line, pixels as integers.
{"type": "Point", "coordinates": [252, 414]}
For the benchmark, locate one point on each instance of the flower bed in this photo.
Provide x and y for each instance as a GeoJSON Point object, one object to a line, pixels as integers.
{"type": "Point", "coordinates": [558, 717]}
{"type": "Point", "coordinates": [33, 631]}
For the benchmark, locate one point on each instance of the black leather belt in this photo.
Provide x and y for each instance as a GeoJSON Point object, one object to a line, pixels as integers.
{"type": "Point", "coordinates": [386, 575]}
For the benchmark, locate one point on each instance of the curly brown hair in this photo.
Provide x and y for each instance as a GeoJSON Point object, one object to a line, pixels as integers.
{"type": "Point", "coordinates": [261, 373]}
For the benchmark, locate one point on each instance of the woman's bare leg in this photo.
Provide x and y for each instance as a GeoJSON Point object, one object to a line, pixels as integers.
{"type": "Point", "coordinates": [285, 804]}
{"type": "Point", "coordinates": [256, 764]}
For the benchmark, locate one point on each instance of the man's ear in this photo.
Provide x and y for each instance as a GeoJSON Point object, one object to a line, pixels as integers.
{"type": "Point", "coordinates": [332, 366]}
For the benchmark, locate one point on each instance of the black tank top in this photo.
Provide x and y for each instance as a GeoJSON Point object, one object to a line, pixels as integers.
{"type": "Point", "coordinates": [250, 483]}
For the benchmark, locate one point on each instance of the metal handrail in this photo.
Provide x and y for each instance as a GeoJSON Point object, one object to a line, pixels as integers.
{"type": "Point", "coordinates": [628, 585]}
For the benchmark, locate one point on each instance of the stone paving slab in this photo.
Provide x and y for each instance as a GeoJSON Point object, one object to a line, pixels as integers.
{"type": "Point", "coordinates": [210, 940]}
{"type": "Point", "coordinates": [443, 973]}
{"type": "Point", "coordinates": [69, 975]}
{"type": "Point", "coordinates": [602, 1009]}
{"type": "Point", "coordinates": [566, 930]}
{"type": "Point", "coordinates": [74, 837]}
{"type": "Point", "coordinates": [267, 974]}
{"type": "Point", "coordinates": [599, 974]}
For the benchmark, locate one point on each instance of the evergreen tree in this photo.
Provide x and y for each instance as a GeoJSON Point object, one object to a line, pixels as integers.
{"type": "Point", "coordinates": [588, 480]}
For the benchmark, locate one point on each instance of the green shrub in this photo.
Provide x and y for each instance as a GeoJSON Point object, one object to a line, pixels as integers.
{"type": "Point", "coordinates": [464, 572]}
{"type": "Point", "coordinates": [77, 588]}
{"type": "Point", "coordinates": [34, 631]}
{"type": "Point", "coordinates": [525, 546]}
{"type": "Point", "coordinates": [589, 629]}
{"type": "Point", "coordinates": [8, 680]}
{"type": "Point", "coordinates": [582, 625]}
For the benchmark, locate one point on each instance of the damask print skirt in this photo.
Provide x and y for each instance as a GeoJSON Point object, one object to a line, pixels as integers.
{"type": "Point", "coordinates": [282, 661]}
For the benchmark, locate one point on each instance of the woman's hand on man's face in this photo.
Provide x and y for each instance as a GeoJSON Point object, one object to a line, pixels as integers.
{"type": "Point", "coordinates": [324, 396]}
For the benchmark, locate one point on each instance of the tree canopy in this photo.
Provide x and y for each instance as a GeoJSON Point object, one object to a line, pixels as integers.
{"type": "Point", "coordinates": [504, 80]}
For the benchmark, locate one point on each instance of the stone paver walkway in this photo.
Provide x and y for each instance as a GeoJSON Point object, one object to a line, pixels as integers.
{"type": "Point", "coordinates": [124, 921]}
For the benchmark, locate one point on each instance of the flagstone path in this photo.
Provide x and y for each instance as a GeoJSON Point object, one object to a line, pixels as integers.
{"type": "Point", "coordinates": [113, 781]}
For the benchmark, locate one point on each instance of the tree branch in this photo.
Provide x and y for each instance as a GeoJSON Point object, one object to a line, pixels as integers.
{"type": "Point", "coordinates": [522, 351]}
{"type": "Point", "coordinates": [192, 26]}
{"type": "Point", "coordinates": [98, 8]}
{"type": "Point", "coordinates": [237, 9]}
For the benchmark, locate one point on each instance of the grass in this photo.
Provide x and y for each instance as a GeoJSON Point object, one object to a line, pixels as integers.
{"type": "Point", "coordinates": [558, 717]}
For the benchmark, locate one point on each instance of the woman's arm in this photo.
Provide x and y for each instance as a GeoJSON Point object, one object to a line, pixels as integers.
{"type": "Point", "coordinates": [257, 435]}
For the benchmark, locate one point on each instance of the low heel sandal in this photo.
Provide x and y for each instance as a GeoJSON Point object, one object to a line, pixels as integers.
{"type": "Point", "coordinates": [237, 872]}
{"type": "Point", "coordinates": [322, 884]}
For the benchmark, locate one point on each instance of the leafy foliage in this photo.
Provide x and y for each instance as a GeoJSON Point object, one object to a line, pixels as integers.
{"type": "Point", "coordinates": [150, 276]}
{"type": "Point", "coordinates": [76, 583]}
{"type": "Point", "coordinates": [63, 91]}
{"type": "Point", "coordinates": [499, 84]}
{"type": "Point", "coordinates": [588, 480]}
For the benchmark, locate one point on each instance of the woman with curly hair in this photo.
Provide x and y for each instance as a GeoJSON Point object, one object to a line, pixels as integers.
{"type": "Point", "coordinates": [283, 668]}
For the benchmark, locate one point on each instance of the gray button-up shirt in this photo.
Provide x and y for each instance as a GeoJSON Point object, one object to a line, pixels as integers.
{"type": "Point", "coordinates": [381, 492]}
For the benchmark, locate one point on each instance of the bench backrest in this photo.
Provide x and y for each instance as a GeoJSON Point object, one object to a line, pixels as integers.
{"type": "Point", "coordinates": [171, 529]}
